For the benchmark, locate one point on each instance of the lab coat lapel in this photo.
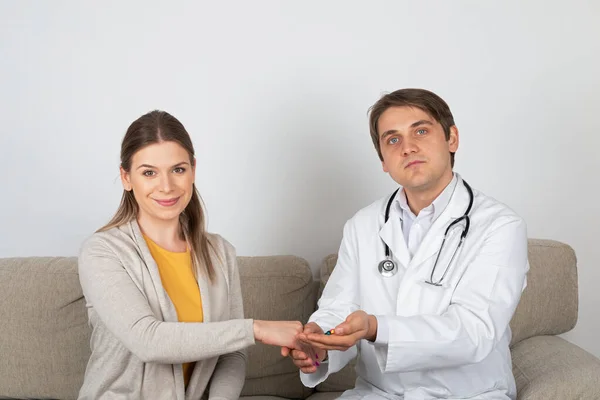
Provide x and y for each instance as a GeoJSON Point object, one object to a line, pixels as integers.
{"type": "Point", "coordinates": [433, 239]}
{"type": "Point", "coordinates": [391, 233]}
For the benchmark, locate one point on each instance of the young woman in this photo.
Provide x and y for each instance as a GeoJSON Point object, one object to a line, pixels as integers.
{"type": "Point", "coordinates": [163, 295]}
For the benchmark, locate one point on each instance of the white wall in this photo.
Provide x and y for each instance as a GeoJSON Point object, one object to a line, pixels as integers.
{"type": "Point", "coordinates": [275, 95]}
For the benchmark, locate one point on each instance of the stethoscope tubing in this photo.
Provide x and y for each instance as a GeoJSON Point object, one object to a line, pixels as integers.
{"type": "Point", "coordinates": [388, 267]}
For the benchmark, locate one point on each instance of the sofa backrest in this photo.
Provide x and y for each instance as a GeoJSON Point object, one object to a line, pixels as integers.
{"type": "Point", "coordinates": [44, 334]}
{"type": "Point", "coordinates": [549, 305]}
{"type": "Point", "coordinates": [275, 288]}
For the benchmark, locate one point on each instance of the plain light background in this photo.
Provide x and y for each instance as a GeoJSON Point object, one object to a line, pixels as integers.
{"type": "Point", "coordinates": [275, 95]}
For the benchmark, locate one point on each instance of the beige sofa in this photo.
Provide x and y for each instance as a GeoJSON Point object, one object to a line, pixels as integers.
{"type": "Point", "coordinates": [44, 336]}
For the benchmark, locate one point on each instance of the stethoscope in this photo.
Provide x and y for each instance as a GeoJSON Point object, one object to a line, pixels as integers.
{"type": "Point", "coordinates": [388, 266]}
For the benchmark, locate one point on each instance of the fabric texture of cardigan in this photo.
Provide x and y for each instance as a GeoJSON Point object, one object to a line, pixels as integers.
{"type": "Point", "coordinates": [137, 343]}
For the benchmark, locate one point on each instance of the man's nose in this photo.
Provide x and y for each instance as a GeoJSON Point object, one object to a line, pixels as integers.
{"type": "Point", "coordinates": [409, 146]}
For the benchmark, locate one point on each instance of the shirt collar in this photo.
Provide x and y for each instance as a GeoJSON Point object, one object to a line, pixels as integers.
{"type": "Point", "coordinates": [437, 206]}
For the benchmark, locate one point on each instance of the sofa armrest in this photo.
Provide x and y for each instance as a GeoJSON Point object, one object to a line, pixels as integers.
{"type": "Point", "coordinates": [549, 367]}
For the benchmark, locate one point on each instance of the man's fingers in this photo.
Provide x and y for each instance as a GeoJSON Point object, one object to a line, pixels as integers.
{"type": "Point", "coordinates": [303, 362]}
{"type": "Point", "coordinates": [329, 347]}
{"type": "Point", "coordinates": [332, 342]}
{"type": "Point", "coordinates": [311, 327]}
{"type": "Point", "coordinates": [343, 329]}
{"type": "Point", "coordinates": [335, 339]}
{"type": "Point", "coordinates": [301, 359]}
{"type": "Point", "coordinates": [298, 355]}
{"type": "Point", "coordinates": [285, 351]}
{"type": "Point", "coordinates": [309, 370]}
{"type": "Point", "coordinates": [301, 337]}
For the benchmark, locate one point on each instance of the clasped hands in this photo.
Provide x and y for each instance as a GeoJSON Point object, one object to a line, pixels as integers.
{"type": "Point", "coordinates": [308, 345]}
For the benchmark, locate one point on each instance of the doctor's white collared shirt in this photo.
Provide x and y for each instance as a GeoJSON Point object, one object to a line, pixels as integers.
{"type": "Point", "coordinates": [426, 217]}
{"type": "Point", "coordinates": [414, 228]}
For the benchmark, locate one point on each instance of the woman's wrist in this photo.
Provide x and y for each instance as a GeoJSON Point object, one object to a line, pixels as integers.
{"type": "Point", "coordinates": [256, 326]}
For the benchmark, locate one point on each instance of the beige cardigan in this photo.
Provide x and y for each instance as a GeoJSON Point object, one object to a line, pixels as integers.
{"type": "Point", "coordinates": [137, 344]}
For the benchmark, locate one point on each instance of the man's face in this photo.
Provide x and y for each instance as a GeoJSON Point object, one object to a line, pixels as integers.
{"type": "Point", "coordinates": [415, 151]}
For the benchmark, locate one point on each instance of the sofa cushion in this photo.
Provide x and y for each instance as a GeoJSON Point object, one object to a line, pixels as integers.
{"type": "Point", "coordinates": [548, 305]}
{"type": "Point", "coordinates": [549, 367]}
{"type": "Point", "coordinates": [275, 288]}
{"type": "Point", "coordinates": [45, 336]}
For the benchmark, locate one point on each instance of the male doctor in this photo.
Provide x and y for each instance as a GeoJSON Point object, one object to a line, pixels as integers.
{"type": "Point", "coordinates": [432, 322]}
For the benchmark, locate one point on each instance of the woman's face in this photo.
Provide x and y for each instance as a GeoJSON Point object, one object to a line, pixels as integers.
{"type": "Point", "coordinates": [161, 178]}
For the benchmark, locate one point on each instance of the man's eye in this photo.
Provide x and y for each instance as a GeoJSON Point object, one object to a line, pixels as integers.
{"type": "Point", "coordinates": [393, 140]}
{"type": "Point", "coordinates": [422, 131]}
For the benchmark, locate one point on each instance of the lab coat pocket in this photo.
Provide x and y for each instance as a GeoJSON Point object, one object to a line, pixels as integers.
{"type": "Point", "coordinates": [435, 299]}
{"type": "Point", "coordinates": [426, 299]}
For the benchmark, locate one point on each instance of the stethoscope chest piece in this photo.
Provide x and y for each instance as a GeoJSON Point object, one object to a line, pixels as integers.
{"type": "Point", "coordinates": [387, 267]}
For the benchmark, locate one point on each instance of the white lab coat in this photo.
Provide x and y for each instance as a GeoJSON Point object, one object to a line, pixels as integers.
{"type": "Point", "coordinates": [448, 342]}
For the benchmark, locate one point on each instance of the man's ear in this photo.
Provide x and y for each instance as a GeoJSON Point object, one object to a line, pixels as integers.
{"type": "Point", "coordinates": [453, 139]}
{"type": "Point", "coordinates": [384, 167]}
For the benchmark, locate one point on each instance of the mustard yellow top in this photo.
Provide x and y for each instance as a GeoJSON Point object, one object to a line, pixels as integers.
{"type": "Point", "coordinates": [180, 284]}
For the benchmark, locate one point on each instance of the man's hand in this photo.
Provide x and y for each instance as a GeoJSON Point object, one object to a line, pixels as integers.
{"type": "Point", "coordinates": [358, 325]}
{"type": "Point", "coordinates": [306, 357]}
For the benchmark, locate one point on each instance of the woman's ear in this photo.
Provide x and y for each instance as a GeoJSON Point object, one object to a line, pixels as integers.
{"type": "Point", "coordinates": [125, 179]}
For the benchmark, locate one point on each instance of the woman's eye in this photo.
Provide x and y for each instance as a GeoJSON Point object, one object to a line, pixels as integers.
{"type": "Point", "coordinates": [393, 140]}
{"type": "Point", "coordinates": [148, 173]}
{"type": "Point", "coordinates": [179, 170]}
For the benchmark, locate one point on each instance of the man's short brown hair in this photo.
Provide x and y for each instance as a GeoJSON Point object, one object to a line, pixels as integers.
{"type": "Point", "coordinates": [423, 99]}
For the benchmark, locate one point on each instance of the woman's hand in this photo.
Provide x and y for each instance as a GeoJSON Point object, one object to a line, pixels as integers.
{"type": "Point", "coordinates": [277, 333]}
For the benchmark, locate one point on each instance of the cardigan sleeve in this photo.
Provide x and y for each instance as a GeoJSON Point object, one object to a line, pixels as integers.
{"type": "Point", "coordinates": [125, 312]}
{"type": "Point", "coordinates": [230, 372]}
